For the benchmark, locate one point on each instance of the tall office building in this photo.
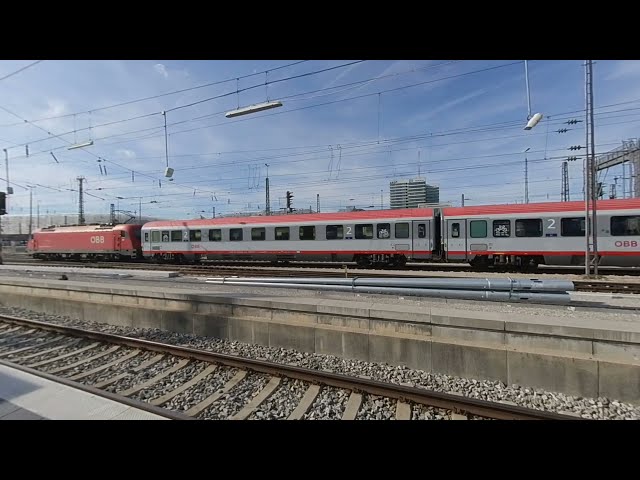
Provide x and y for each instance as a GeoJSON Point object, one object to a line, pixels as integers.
{"type": "Point", "coordinates": [411, 193]}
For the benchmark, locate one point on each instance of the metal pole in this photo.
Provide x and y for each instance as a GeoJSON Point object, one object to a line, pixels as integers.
{"type": "Point", "coordinates": [6, 163]}
{"type": "Point", "coordinates": [268, 200]}
{"type": "Point", "coordinates": [381, 199]}
{"type": "Point", "coordinates": [592, 154]}
{"type": "Point", "coordinates": [30, 211]}
{"type": "Point", "coordinates": [526, 76]}
{"type": "Point", "coordinates": [38, 214]}
{"type": "Point", "coordinates": [463, 199]}
{"type": "Point", "coordinates": [526, 179]}
{"type": "Point", "coordinates": [140, 209]}
{"type": "Point", "coordinates": [624, 181]}
{"type": "Point", "coordinates": [166, 140]}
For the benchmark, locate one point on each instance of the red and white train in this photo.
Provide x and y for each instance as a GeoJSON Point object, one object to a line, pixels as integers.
{"type": "Point", "coordinates": [521, 236]}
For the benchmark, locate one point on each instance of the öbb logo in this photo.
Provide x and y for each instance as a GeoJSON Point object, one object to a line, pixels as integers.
{"type": "Point", "coordinates": [97, 239]}
{"type": "Point", "coordinates": [627, 243]}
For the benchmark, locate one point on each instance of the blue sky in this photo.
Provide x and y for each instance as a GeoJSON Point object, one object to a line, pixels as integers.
{"type": "Point", "coordinates": [460, 123]}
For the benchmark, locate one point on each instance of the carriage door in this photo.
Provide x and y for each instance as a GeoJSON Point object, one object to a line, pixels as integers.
{"type": "Point", "coordinates": [455, 243]}
{"type": "Point", "coordinates": [478, 237]}
{"type": "Point", "coordinates": [155, 240]}
{"type": "Point", "coordinates": [421, 239]}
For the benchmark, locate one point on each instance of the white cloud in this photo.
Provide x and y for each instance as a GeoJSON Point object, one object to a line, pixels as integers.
{"type": "Point", "coordinates": [161, 69]}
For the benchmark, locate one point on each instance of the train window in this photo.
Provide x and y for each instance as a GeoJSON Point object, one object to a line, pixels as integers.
{"type": "Point", "coordinates": [165, 235]}
{"type": "Point", "coordinates": [502, 228]}
{"type": "Point", "coordinates": [146, 236]}
{"type": "Point", "coordinates": [215, 235]}
{"type": "Point", "coordinates": [478, 229]}
{"type": "Point", "coordinates": [176, 235]}
{"type": "Point", "coordinates": [384, 230]}
{"type": "Point", "coordinates": [123, 234]}
{"type": "Point", "coordinates": [282, 233]}
{"type": "Point", "coordinates": [258, 233]}
{"type": "Point", "coordinates": [529, 227]}
{"type": "Point", "coordinates": [195, 235]}
{"type": "Point", "coordinates": [235, 234]}
{"type": "Point", "coordinates": [155, 236]}
{"type": "Point", "coordinates": [334, 232]}
{"type": "Point", "coordinates": [402, 230]}
{"type": "Point", "coordinates": [308, 232]}
{"type": "Point", "coordinates": [625, 226]}
{"type": "Point", "coordinates": [422, 230]}
{"type": "Point", "coordinates": [455, 230]}
{"type": "Point", "coordinates": [572, 227]}
{"type": "Point", "coordinates": [364, 231]}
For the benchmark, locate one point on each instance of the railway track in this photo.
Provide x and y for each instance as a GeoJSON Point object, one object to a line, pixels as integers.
{"type": "Point", "coordinates": [185, 383]}
{"type": "Point", "coordinates": [414, 267]}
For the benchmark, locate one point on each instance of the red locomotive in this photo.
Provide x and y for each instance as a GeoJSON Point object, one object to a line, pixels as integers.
{"type": "Point", "coordinates": [92, 242]}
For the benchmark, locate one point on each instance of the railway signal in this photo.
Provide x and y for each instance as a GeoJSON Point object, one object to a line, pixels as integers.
{"type": "Point", "coordinates": [289, 197]}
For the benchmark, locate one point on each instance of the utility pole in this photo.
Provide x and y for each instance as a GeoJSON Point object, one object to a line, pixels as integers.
{"type": "Point", "coordinates": [462, 203]}
{"type": "Point", "coordinates": [591, 193]}
{"type": "Point", "coordinates": [112, 213]}
{"type": "Point", "coordinates": [6, 164]}
{"type": "Point", "coordinates": [80, 201]}
{"type": "Point", "coordinates": [38, 214]}
{"type": "Point", "coordinates": [30, 212]}
{"type": "Point", "coordinates": [268, 200]}
{"type": "Point", "coordinates": [213, 212]}
{"type": "Point", "coordinates": [140, 209]}
{"type": "Point", "coordinates": [317, 203]}
{"type": "Point", "coordinates": [381, 199]}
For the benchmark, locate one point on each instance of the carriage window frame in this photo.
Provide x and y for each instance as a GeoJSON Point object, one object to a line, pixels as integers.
{"type": "Point", "coordinates": [405, 232]}
{"type": "Point", "coordinates": [156, 236]}
{"type": "Point", "coordinates": [501, 223]}
{"type": "Point", "coordinates": [176, 235]}
{"type": "Point", "coordinates": [529, 221]}
{"type": "Point", "coordinates": [262, 234]}
{"type": "Point", "coordinates": [334, 232]}
{"type": "Point", "coordinates": [614, 229]}
{"type": "Point", "coordinates": [566, 231]}
{"type": "Point", "coordinates": [360, 231]}
{"type": "Point", "coordinates": [303, 232]}
{"type": "Point", "coordinates": [473, 225]}
{"type": "Point", "coordinates": [212, 235]}
{"type": "Point", "coordinates": [455, 230]}
{"type": "Point", "coordinates": [146, 236]}
{"type": "Point", "coordinates": [166, 237]}
{"type": "Point", "coordinates": [381, 228]}
{"type": "Point", "coordinates": [233, 231]}
{"type": "Point", "coordinates": [282, 233]}
{"type": "Point", "coordinates": [195, 235]}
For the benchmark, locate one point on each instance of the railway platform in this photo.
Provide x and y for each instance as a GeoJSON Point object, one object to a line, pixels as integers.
{"type": "Point", "coordinates": [589, 348]}
{"type": "Point", "coordinates": [24, 396]}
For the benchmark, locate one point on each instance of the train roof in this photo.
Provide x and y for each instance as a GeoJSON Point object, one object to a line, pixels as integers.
{"type": "Point", "coordinates": [547, 207]}
{"type": "Point", "coordinates": [97, 227]}
{"type": "Point", "coordinates": [416, 213]}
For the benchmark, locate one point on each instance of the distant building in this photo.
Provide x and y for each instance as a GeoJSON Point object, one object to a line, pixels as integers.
{"type": "Point", "coordinates": [433, 194]}
{"type": "Point", "coordinates": [411, 193]}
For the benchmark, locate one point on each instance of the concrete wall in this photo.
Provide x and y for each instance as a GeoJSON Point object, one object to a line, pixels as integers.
{"type": "Point", "coordinates": [534, 352]}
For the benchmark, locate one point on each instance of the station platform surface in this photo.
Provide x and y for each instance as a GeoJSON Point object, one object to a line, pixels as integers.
{"type": "Point", "coordinates": [24, 396]}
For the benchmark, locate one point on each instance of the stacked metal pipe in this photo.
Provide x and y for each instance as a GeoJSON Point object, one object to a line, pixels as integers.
{"type": "Point", "coordinates": [494, 289]}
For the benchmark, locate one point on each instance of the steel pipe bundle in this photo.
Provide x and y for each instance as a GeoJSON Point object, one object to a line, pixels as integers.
{"type": "Point", "coordinates": [501, 289]}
